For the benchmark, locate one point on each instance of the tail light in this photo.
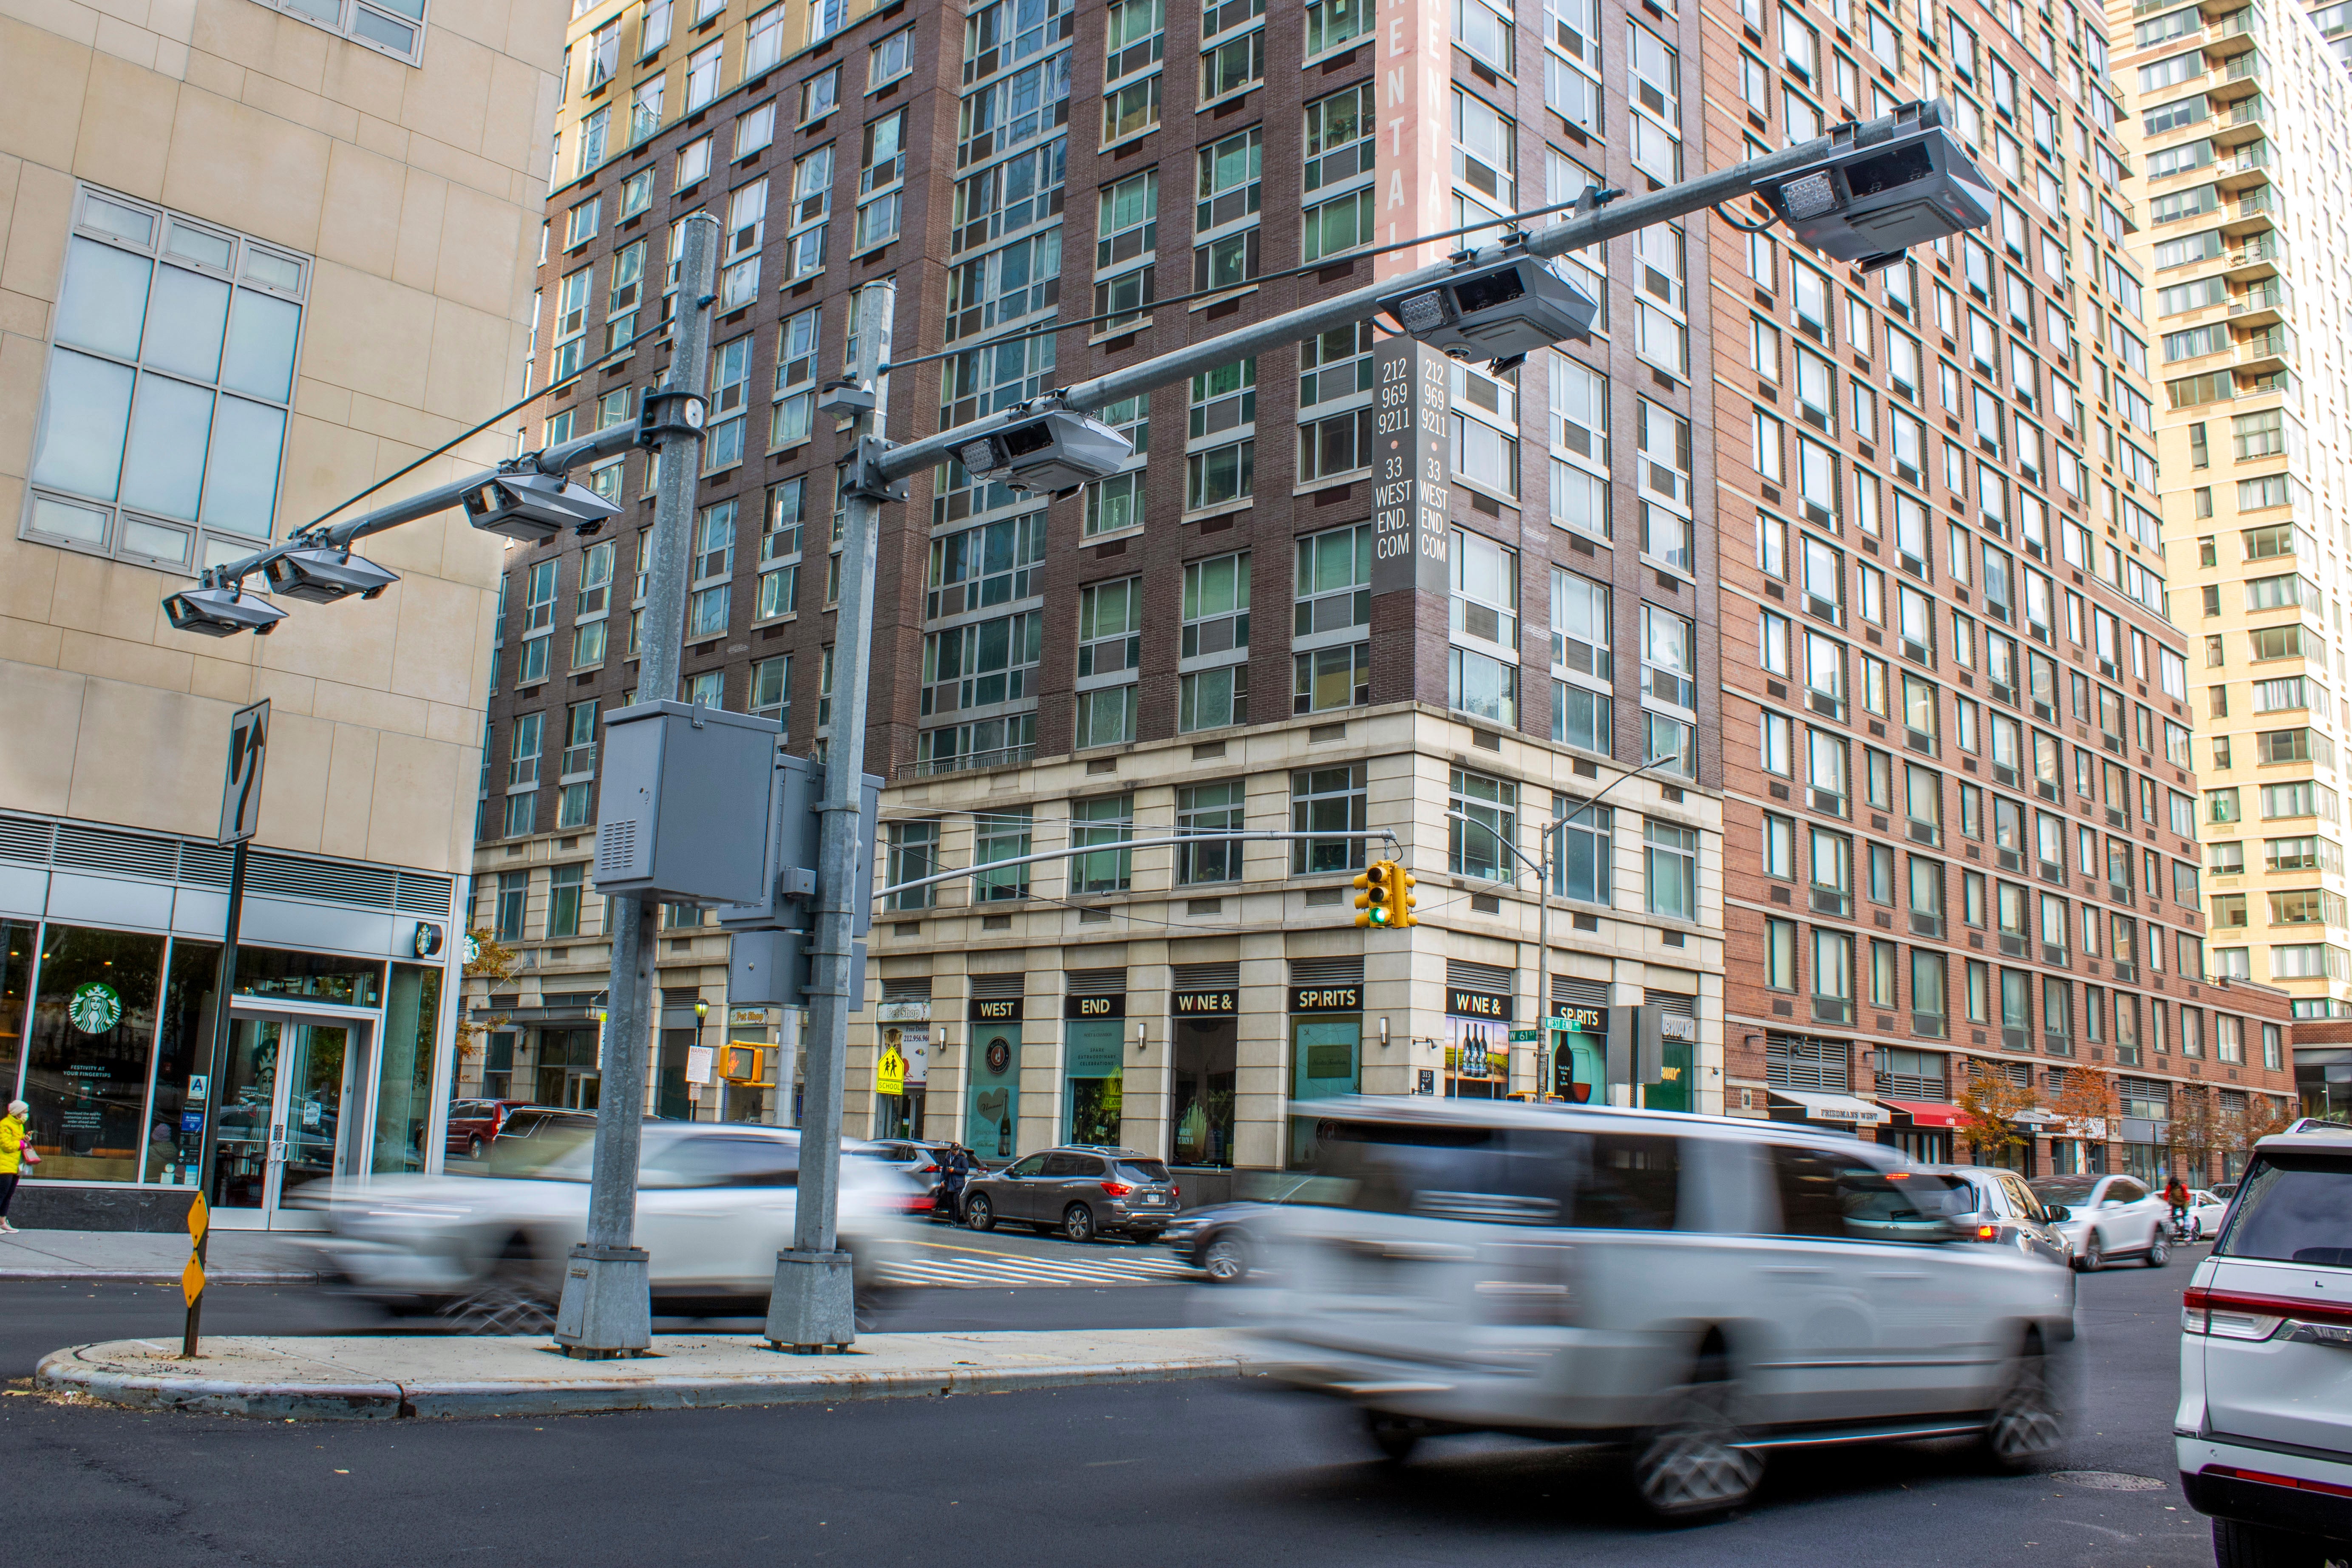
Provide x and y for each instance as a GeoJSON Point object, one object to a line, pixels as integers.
{"type": "Point", "coordinates": [918, 1203]}
{"type": "Point", "coordinates": [1117, 1189]}
{"type": "Point", "coordinates": [2222, 1315]}
{"type": "Point", "coordinates": [1988, 1232]}
{"type": "Point", "coordinates": [1175, 1193]}
{"type": "Point", "coordinates": [929, 1171]}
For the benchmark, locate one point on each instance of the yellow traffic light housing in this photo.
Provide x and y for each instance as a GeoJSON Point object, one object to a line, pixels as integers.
{"type": "Point", "coordinates": [742, 1061]}
{"type": "Point", "coordinates": [1376, 895]}
{"type": "Point", "coordinates": [1401, 884]}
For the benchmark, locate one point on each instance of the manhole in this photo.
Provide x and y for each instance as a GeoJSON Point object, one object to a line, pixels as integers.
{"type": "Point", "coordinates": [2104, 1480]}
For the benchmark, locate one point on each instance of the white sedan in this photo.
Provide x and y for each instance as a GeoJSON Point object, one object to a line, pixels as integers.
{"type": "Point", "coordinates": [2206, 1208]}
{"type": "Point", "coordinates": [716, 1203]}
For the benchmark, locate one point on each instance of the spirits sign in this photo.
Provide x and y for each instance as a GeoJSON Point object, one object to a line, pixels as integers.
{"type": "Point", "coordinates": [1411, 496]}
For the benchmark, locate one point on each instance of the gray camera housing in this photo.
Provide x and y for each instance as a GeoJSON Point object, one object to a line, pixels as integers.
{"type": "Point", "coordinates": [534, 507]}
{"type": "Point", "coordinates": [221, 612]}
{"type": "Point", "coordinates": [1055, 451]}
{"type": "Point", "coordinates": [679, 814]}
{"type": "Point", "coordinates": [320, 574]}
{"type": "Point", "coordinates": [770, 969]}
{"type": "Point", "coordinates": [794, 831]}
{"type": "Point", "coordinates": [1494, 310]}
{"type": "Point", "coordinates": [1868, 201]}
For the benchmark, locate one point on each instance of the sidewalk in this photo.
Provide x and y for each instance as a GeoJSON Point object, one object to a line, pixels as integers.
{"type": "Point", "coordinates": [389, 1377]}
{"type": "Point", "coordinates": [234, 1257]}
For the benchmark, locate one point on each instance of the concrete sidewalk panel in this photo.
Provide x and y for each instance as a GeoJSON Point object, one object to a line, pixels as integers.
{"type": "Point", "coordinates": [394, 1377]}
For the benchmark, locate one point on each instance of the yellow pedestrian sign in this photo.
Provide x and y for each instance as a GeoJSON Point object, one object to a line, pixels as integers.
{"type": "Point", "coordinates": [192, 1282]}
{"type": "Point", "coordinates": [890, 1071]}
{"type": "Point", "coordinates": [198, 1218]}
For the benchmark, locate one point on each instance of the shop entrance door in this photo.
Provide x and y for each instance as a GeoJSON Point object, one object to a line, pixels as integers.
{"type": "Point", "coordinates": [292, 1118]}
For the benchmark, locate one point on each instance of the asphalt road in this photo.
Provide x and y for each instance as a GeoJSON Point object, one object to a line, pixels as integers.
{"type": "Point", "coordinates": [1141, 1475]}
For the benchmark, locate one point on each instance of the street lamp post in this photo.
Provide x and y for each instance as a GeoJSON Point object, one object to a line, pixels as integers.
{"type": "Point", "coordinates": [606, 1308]}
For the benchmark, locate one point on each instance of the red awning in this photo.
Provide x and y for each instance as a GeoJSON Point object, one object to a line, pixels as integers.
{"type": "Point", "coordinates": [1924, 1113]}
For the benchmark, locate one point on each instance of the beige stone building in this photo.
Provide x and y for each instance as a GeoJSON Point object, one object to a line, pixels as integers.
{"type": "Point", "coordinates": [2236, 124]}
{"type": "Point", "coordinates": [252, 259]}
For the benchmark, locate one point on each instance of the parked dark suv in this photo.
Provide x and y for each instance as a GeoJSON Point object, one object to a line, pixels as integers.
{"type": "Point", "coordinates": [1079, 1190]}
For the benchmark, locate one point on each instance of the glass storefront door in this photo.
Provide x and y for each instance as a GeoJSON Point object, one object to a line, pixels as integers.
{"type": "Point", "coordinates": [290, 1116]}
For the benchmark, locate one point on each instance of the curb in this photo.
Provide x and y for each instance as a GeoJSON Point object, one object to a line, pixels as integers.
{"type": "Point", "coordinates": [162, 1276]}
{"type": "Point", "coordinates": [63, 1371]}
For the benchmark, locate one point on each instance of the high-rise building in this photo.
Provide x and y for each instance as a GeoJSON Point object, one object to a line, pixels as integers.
{"type": "Point", "coordinates": [1085, 670]}
{"type": "Point", "coordinates": [1960, 805]}
{"type": "Point", "coordinates": [259, 256]}
{"type": "Point", "coordinates": [2236, 132]}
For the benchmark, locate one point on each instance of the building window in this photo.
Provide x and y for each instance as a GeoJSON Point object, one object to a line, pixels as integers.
{"type": "Point", "coordinates": [513, 902]}
{"type": "Point", "coordinates": [780, 550]}
{"type": "Point", "coordinates": [793, 414]}
{"type": "Point", "coordinates": [1213, 683]}
{"type": "Point", "coordinates": [1481, 826]}
{"type": "Point", "coordinates": [1231, 60]}
{"type": "Point", "coordinates": [739, 261]}
{"type": "Point", "coordinates": [981, 664]}
{"type": "Point", "coordinates": [1332, 585]}
{"type": "Point", "coordinates": [1118, 501]}
{"type": "Point", "coordinates": [1581, 870]}
{"type": "Point", "coordinates": [1670, 869]}
{"type": "Point", "coordinates": [711, 575]}
{"type": "Point", "coordinates": [1341, 132]}
{"type": "Point", "coordinates": [1110, 653]}
{"type": "Point", "coordinates": [622, 298]}
{"type": "Point", "coordinates": [170, 381]}
{"type": "Point", "coordinates": [538, 622]}
{"type": "Point", "coordinates": [1486, 165]}
{"type": "Point", "coordinates": [890, 59]}
{"type": "Point", "coordinates": [914, 854]}
{"type": "Point", "coordinates": [706, 690]}
{"type": "Point", "coordinates": [1482, 665]}
{"type": "Point", "coordinates": [1207, 809]}
{"type": "Point", "coordinates": [881, 168]}
{"type": "Point", "coordinates": [1098, 822]}
{"type": "Point", "coordinates": [1577, 429]}
{"type": "Point", "coordinates": [1327, 800]}
{"type": "Point", "coordinates": [592, 605]}
{"type": "Point", "coordinates": [999, 836]}
{"type": "Point", "coordinates": [1225, 215]}
{"type": "Point", "coordinates": [1332, 23]}
{"type": "Point", "coordinates": [581, 223]}
{"type": "Point", "coordinates": [1220, 445]}
{"type": "Point", "coordinates": [772, 691]}
{"type": "Point", "coordinates": [811, 204]}
{"type": "Point", "coordinates": [394, 27]}
{"type": "Point", "coordinates": [577, 777]}
{"type": "Point", "coordinates": [1126, 243]}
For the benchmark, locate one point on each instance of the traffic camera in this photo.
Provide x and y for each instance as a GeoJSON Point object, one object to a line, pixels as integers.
{"type": "Point", "coordinates": [219, 612]}
{"type": "Point", "coordinates": [1497, 310]}
{"type": "Point", "coordinates": [320, 574]}
{"type": "Point", "coordinates": [532, 508]}
{"type": "Point", "coordinates": [1868, 200]}
{"type": "Point", "coordinates": [1055, 451]}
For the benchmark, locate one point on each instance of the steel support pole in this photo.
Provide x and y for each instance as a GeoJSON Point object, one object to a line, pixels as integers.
{"type": "Point", "coordinates": [812, 1305]}
{"type": "Point", "coordinates": [608, 1304]}
{"type": "Point", "coordinates": [215, 1076]}
{"type": "Point", "coordinates": [1543, 968]}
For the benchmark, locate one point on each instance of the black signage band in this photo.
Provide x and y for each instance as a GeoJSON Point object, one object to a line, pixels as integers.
{"type": "Point", "coordinates": [1327, 998]}
{"type": "Point", "coordinates": [1478, 1003]}
{"type": "Point", "coordinates": [1095, 1007]}
{"type": "Point", "coordinates": [1204, 1003]}
{"type": "Point", "coordinates": [999, 1010]}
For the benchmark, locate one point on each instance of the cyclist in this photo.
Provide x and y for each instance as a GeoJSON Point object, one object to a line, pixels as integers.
{"type": "Point", "coordinates": [2176, 1194]}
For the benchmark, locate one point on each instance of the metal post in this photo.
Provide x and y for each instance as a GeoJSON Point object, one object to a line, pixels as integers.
{"type": "Point", "coordinates": [1543, 967]}
{"type": "Point", "coordinates": [215, 1075]}
{"type": "Point", "coordinates": [607, 1305]}
{"type": "Point", "coordinates": [812, 1307]}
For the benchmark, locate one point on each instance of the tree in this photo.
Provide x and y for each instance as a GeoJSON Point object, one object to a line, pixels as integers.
{"type": "Point", "coordinates": [2085, 1104]}
{"type": "Point", "coordinates": [1988, 1104]}
{"type": "Point", "coordinates": [2252, 1118]}
{"type": "Point", "coordinates": [2196, 1132]}
{"type": "Point", "coordinates": [488, 959]}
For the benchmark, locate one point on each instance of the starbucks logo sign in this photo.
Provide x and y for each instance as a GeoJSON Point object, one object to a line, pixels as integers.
{"type": "Point", "coordinates": [94, 1008]}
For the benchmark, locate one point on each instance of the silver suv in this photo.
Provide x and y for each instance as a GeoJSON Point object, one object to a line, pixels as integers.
{"type": "Point", "coordinates": [1698, 1289]}
{"type": "Point", "coordinates": [2264, 1429]}
{"type": "Point", "coordinates": [1081, 1190]}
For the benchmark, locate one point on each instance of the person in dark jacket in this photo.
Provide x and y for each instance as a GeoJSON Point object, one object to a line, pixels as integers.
{"type": "Point", "coordinates": [955, 1165]}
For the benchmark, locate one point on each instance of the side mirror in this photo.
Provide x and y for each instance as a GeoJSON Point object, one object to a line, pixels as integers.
{"type": "Point", "coordinates": [2056, 1213]}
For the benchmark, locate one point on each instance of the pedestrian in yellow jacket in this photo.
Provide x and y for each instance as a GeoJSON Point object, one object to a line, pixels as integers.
{"type": "Point", "coordinates": [15, 1145]}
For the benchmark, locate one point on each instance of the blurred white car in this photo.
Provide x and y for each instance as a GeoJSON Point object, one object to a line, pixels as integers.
{"type": "Point", "coordinates": [2108, 1217]}
{"type": "Point", "coordinates": [1697, 1289]}
{"type": "Point", "coordinates": [716, 1203]}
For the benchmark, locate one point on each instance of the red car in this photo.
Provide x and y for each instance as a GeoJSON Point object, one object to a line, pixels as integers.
{"type": "Point", "coordinates": [473, 1123]}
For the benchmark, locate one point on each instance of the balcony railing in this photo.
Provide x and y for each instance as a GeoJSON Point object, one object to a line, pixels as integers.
{"type": "Point", "coordinates": [970, 762]}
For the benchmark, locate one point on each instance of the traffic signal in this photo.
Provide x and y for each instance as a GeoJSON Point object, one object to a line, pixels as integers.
{"type": "Point", "coordinates": [1376, 895]}
{"type": "Point", "coordinates": [1401, 883]}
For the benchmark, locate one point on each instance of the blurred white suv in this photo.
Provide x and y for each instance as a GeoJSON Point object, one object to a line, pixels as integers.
{"type": "Point", "coordinates": [2109, 1217]}
{"type": "Point", "coordinates": [1697, 1289]}
{"type": "Point", "coordinates": [2264, 1429]}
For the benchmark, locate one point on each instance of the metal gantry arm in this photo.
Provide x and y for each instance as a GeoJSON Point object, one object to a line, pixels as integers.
{"type": "Point", "coordinates": [1242, 835]}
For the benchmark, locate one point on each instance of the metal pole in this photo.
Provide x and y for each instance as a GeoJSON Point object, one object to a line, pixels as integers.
{"type": "Point", "coordinates": [216, 1077]}
{"type": "Point", "coordinates": [607, 1306]}
{"type": "Point", "coordinates": [812, 1305]}
{"type": "Point", "coordinates": [1543, 967]}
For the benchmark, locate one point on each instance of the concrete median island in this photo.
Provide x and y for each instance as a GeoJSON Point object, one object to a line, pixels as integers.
{"type": "Point", "coordinates": [389, 1377]}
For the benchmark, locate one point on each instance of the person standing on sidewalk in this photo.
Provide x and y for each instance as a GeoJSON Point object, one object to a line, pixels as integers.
{"type": "Point", "coordinates": [16, 1150]}
{"type": "Point", "coordinates": [955, 1165]}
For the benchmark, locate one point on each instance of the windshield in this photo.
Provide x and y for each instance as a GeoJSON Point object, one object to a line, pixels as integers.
{"type": "Point", "coordinates": [1515, 1175]}
{"type": "Point", "coordinates": [2067, 1190]}
{"type": "Point", "coordinates": [2295, 1208]}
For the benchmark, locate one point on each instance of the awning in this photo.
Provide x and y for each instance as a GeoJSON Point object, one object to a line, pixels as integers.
{"type": "Point", "coordinates": [2033, 1117]}
{"type": "Point", "coordinates": [1843, 1108]}
{"type": "Point", "coordinates": [1925, 1113]}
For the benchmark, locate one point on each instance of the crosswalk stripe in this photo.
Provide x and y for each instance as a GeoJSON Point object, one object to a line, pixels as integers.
{"type": "Point", "coordinates": [966, 1271]}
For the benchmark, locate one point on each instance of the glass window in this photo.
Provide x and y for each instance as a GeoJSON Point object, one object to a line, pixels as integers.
{"type": "Point", "coordinates": [1327, 800]}
{"type": "Point", "coordinates": [1208, 809]}
{"type": "Point", "coordinates": [1000, 836]}
{"type": "Point", "coordinates": [1481, 826]}
{"type": "Point", "coordinates": [1110, 820]}
{"type": "Point", "coordinates": [1670, 869]}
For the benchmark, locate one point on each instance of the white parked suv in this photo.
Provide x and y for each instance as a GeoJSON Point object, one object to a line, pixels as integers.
{"type": "Point", "coordinates": [1698, 1289]}
{"type": "Point", "coordinates": [2264, 1429]}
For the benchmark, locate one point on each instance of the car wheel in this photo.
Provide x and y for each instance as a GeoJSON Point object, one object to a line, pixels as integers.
{"type": "Point", "coordinates": [1396, 1436]}
{"type": "Point", "coordinates": [510, 1298]}
{"type": "Point", "coordinates": [2237, 1544]}
{"type": "Point", "coordinates": [1225, 1259]}
{"type": "Point", "coordinates": [2159, 1247]}
{"type": "Point", "coordinates": [2095, 1252]}
{"type": "Point", "coordinates": [2027, 1424]}
{"type": "Point", "coordinates": [1691, 1465]}
{"type": "Point", "coordinates": [473, 1148]}
{"type": "Point", "coordinates": [1079, 1223]}
{"type": "Point", "coordinates": [979, 1213]}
